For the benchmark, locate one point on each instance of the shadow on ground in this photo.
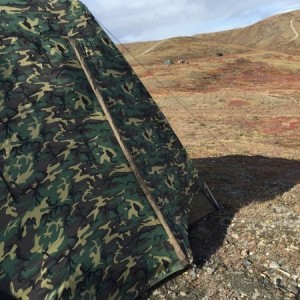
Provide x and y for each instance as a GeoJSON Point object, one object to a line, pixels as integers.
{"type": "Point", "coordinates": [237, 181]}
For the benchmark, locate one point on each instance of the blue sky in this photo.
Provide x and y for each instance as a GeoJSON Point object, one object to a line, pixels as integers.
{"type": "Point", "coordinates": [138, 20]}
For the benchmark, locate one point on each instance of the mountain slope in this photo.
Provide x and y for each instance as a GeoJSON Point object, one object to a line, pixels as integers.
{"type": "Point", "coordinates": [279, 32]}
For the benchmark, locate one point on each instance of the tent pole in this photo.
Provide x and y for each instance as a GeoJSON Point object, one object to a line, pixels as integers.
{"type": "Point", "coordinates": [182, 256]}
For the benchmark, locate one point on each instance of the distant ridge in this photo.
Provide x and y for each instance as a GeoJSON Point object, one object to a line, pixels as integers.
{"type": "Point", "coordinates": [280, 32]}
{"type": "Point", "coordinates": [277, 33]}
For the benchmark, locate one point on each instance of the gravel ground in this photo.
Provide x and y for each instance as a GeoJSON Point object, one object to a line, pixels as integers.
{"type": "Point", "coordinates": [250, 249]}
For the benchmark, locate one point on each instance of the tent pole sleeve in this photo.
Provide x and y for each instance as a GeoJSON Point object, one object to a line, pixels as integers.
{"type": "Point", "coordinates": [183, 258]}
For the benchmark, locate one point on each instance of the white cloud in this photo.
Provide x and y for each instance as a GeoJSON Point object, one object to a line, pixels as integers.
{"type": "Point", "coordinates": [138, 20]}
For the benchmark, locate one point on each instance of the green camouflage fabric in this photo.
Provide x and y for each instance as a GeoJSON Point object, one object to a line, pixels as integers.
{"type": "Point", "coordinates": [75, 222]}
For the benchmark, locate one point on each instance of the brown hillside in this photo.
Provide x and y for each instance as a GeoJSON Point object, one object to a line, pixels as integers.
{"type": "Point", "coordinates": [279, 32]}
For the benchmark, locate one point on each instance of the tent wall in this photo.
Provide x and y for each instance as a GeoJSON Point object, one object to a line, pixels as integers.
{"type": "Point", "coordinates": [75, 222]}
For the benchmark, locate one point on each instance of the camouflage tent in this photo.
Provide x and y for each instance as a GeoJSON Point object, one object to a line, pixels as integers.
{"type": "Point", "coordinates": [95, 187]}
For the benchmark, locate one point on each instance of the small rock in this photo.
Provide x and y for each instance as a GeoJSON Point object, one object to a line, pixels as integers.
{"type": "Point", "coordinates": [156, 293]}
{"type": "Point", "coordinates": [264, 279]}
{"type": "Point", "coordinates": [295, 277]}
{"type": "Point", "coordinates": [280, 262]}
{"type": "Point", "coordinates": [243, 294]}
{"type": "Point", "coordinates": [235, 235]}
{"type": "Point", "coordinates": [210, 271]}
{"type": "Point", "coordinates": [183, 294]}
{"type": "Point", "coordinates": [293, 247]}
{"type": "Point", "coordinates": [246, 263]}
{"type": "Point", "coordinates": [172, 294]}
{"type": "Point", "coordinates": [252, 257]}
{"type": "Point", "coordinates": [173, 288]}
{"type": "Point", "coordinates": [244, 252]}
{"type": "Point", "coordinates": [245, 244]}
{"type": "Point", "coordinates": [265, 265]}
{"type": "Point", "coordinates": [294, 290]}
{"type": "Point", "coordinates": [286, 274]}
{"type": "Point", "coordinates": [291, 296]}
{"type": "Point", "coordinates": [274, 265]}
{"type": "Point", "coordinates": [283, 289]}
{"type": "Point", "coordinates": [193, 273]}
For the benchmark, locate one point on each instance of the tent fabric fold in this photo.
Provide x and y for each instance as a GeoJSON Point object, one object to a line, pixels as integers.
{"type": "Point", "coordinates": [95, 187]}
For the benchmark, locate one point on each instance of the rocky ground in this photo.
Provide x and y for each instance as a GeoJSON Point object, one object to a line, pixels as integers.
{"type": "Point", "coordinates": [250, 249]}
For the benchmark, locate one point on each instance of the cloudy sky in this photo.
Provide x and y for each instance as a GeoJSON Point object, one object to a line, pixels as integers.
{"type": "Point", "coordinates": [141, 20]}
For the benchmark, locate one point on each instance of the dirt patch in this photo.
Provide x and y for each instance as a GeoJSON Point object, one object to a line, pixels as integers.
{"type": "Point", "coordinates": [237, 103]}
{"type": "Point", "coordinates": [269, 125]}
{"type": "Point", "coordinates": [280, 125]}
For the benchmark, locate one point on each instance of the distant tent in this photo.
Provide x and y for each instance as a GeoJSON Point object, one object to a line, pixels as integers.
{"type": "Point", "coordinates": [95, 188]}
{"type": "Point", "coordinates": [168, 62]}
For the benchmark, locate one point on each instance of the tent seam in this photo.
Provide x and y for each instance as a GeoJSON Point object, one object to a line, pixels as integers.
{"type": "Point", "coordinates": [182, 256]}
